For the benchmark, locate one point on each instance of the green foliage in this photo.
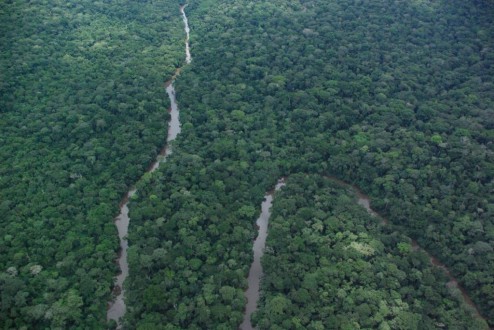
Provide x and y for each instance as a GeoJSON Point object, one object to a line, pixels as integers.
{"type": "Point", "coordinates": [394, 97]}
{"type": "Point", "coordinates": [83, 112]}
{"type": "Point", "coordinates": [313, 270]}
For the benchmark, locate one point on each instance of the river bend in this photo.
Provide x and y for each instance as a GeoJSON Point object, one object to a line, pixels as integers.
{"type": "Point", "coordinates": [256, 272]}
{"type": "Point", "coordinates": [116, 308]}
{"type": "Point", "coordinates": [364, 201]}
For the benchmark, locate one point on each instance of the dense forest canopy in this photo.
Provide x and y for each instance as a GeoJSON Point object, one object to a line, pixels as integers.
{"type": "Point", "coordinates": [393, 96]}
{"type": "Point", "coordinates": [363, 274]}
{"type": "Point", "coordinates": [396, 97]}
{"type": "Point", "coordinates": [83, 113]}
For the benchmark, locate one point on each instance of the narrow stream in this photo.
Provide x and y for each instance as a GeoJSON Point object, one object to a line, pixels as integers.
{"type": "Point", "coordinates": [116, 308]}
{"type": "Point", "coordinates": [364, 201]}
{"type": "Point", "coordinates": [255, 272]}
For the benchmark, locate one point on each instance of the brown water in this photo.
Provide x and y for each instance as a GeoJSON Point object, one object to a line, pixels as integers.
{"type": "Point", "coordinates": [116, 309]}
{"type": "Point", "coordinates": [255, 272]}
{"type": "Point", "coordinates": [364, 201]}
{"type": "Point", "coordinates": [453, 282]}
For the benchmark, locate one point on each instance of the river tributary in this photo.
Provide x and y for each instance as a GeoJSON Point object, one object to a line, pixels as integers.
{"type": "Point", "coordinates": [116, 309]}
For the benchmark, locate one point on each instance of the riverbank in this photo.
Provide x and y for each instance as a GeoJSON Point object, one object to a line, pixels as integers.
{"type": "Point", "coordinates": [117, 307]}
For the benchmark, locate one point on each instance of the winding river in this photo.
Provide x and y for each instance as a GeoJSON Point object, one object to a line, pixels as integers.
{"type": "Point", "coordinates": [116, 308]}
{"type": "Point", "coordinates": [255, 272]}
{"type": "Point", "coordinates": [364, 201]}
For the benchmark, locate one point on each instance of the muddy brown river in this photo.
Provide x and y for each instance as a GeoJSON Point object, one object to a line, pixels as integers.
{"type": "Point", "coordinates": [116, 308]}
{"type": "Point", "coordinates": [256, 272]}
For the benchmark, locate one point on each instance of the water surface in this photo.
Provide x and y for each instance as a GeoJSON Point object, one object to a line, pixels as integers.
{"type": "Point", "coordinates": [117, 307]}
{"type": "Point", "coordinates": [255, 272]}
